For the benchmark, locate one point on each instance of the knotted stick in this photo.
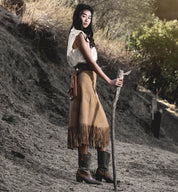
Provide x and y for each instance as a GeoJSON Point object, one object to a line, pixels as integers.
{"type": "Point", "coordinates": [120, 74]}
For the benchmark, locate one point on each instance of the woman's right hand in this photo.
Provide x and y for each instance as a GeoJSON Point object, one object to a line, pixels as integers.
{"type": "Point", "coordinates": [116, 82]}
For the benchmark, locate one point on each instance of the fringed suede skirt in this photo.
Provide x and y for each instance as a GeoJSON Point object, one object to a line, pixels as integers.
{"type": "Point", "coordinates": [88, 124]}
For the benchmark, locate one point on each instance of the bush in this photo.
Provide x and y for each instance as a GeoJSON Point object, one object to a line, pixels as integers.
{"type": "Point", "coordinates": [156, 45]}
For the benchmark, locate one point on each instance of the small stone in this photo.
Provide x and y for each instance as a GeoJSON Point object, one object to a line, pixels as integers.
{"type": "Point", "coordinates": [17, 154]}
{"type": "Point", "coordinates": [71, 189]}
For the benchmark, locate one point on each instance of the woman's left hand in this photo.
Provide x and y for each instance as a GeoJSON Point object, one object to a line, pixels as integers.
{"type": "Point", "coordinates": [117, 82]}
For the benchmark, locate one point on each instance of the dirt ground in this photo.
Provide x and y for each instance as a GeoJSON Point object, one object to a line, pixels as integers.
{"type": "Point", "coordinates": [47, 165]}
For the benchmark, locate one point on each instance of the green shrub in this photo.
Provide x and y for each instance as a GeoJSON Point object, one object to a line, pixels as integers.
{"type": "Point", "coordinates": [156, 45]}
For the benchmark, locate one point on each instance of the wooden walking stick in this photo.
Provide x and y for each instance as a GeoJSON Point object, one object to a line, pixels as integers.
{"type": "Point", "coordinates": [120, 74]}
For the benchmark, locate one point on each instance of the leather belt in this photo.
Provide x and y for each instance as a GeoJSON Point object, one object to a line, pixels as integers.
{"type": "Point", "coordinates": [83, 67]}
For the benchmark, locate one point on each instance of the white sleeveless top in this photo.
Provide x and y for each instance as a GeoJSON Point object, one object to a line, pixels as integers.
{"type": "Point", "coordinates": [74, 56]}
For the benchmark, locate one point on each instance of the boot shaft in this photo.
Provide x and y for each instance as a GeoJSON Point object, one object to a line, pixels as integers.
{"type": "Point", "coordinates": [84, 161]}
{"type": "Point", "coordinates": [103, 159]}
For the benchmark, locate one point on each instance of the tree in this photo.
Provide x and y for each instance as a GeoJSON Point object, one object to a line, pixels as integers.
{"type": "Point", "coordinates": [157, 46]}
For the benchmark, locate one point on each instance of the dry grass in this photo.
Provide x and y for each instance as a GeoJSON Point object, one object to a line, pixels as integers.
{"type": "Point", "coordinates": [113, 51]}
{"type": "Point", "coordinates": [47, 14]}
{"type": "Point", "coordinates": [15, 6]}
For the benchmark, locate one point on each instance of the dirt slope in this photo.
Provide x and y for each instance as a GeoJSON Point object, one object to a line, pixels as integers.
{"type": "Point", "coordinates": [48, 166]}
{"type": "Point", "coordinates": [33, 123]}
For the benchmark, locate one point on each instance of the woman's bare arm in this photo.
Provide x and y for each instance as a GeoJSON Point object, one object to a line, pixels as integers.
{"type": "Point", "coordinates": [85, 50]}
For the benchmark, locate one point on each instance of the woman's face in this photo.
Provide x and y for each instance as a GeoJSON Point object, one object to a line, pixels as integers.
{"type": "Point", "coordinates": [86, 18]}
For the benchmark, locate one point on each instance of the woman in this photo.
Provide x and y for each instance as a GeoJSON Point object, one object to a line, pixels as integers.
{"type": "Point", "coordinates": [88, 124]}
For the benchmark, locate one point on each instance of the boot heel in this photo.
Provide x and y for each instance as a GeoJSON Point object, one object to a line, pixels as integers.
{"type": "Point", "coordinates": [98, 178]}
{"type": "Point", "coordinates": [79, 179]}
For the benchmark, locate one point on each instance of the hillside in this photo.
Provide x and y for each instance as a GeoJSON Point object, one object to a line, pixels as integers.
{"type": "Point", "coordinates": [34, 79]}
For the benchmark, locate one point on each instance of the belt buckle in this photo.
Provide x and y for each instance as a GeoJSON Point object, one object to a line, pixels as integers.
{"type": "Point", "coordinates": [76, 69]}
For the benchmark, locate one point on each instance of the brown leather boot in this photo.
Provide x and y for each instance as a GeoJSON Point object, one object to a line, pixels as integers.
{"type": "Point", "coordinates": [83, 172]}
{"type": "Point", "coordinates": [103, 167]}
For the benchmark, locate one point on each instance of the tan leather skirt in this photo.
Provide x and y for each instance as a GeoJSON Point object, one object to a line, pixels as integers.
{"type": "Point", "coordinates": [87, 120]}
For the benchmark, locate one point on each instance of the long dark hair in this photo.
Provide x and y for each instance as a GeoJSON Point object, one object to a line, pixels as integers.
{"type": "Point", "coordinates": [77, 22]}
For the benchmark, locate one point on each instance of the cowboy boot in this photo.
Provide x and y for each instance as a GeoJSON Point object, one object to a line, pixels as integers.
{"type": "Point", "coordinates": [83, 172]}
{"type": "Point", "coordinates": [102, 171]}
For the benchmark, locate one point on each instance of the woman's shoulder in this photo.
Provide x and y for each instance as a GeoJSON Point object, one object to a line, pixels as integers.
{"type": "Point", "coordinates": [76, 32]}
